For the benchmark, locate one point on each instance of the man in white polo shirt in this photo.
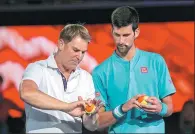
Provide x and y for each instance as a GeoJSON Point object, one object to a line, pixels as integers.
{"type": "Point", "coordinates": [50, 88]}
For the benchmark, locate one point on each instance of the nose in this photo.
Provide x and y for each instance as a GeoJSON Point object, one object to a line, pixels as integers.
{"type": "Point", "coordinates": [121, 40]}
{"type": "Point", "coordinates": [79, 55]}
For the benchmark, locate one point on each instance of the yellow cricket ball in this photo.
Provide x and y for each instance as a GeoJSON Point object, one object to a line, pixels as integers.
{"type": "Point", "coordinates": [90, 108]}
{"type": "Point", "coordinates": [142, 100]}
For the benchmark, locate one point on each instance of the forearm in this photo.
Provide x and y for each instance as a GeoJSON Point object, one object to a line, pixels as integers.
{"type": "Point", "coordinates": [169, 110]}
{"type": "Point", "coordinates": [106, 119]}
{"type": "Point", "coordinates": [41, 100]}
{"type": "Point", "coordinates": [99, 121]}
{"type": "Point", "coordinates": [168, 106]}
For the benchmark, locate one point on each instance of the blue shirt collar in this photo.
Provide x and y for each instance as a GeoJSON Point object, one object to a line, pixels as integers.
{"type": "Point", "coordinates": [132, 62]}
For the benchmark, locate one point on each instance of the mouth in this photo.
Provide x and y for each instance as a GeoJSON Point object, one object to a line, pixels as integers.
{"type": "Point", "coordinates": [122, 45]}
{"type": "Point", "coordinates": [75, 62]}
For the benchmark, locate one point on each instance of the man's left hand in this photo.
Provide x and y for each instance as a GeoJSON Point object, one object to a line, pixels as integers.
{"type": "Point", "coordinates": [154, 105]}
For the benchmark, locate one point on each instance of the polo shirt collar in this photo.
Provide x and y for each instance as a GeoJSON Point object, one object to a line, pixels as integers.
{"type": "Point", "coordinates": [52, 64]}
{"type": "Point", "coordinates": [132, 62]}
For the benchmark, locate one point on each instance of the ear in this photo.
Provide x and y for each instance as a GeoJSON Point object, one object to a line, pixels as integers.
{"type": "Point", "coordinates": [112, 29]}
{"type": "Point", "coordinates": [137, 31]}
{"type": "Point", "coordinates": [60, 44]}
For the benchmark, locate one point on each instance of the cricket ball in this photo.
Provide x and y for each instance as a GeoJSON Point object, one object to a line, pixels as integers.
{"type": "Point", "coordinates": [90, 108]}
{"type": "Point", "coordinates": [142, 100]}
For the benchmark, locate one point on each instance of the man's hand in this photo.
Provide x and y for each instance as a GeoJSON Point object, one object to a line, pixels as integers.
{"type": "Point", "coordinates": [132, 103]}
{"type": "Point", "coordinates": [78, 108]}
{"type": "Point", "coordinates": [90, 121]}
{"type": "Point", "coordinates": [154, 105]}
{"type": "Point", "coordinates": [97, 103]}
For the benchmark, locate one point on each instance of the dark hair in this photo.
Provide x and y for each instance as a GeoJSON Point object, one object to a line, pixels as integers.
{"type": "Point", "coordinates": [124, 16]}
{"type": "Point", "coordinates": [71, 31]}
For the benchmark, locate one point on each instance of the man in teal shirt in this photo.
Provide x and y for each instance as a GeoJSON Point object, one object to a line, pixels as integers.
{"type": "Point", "coordinates": [128, 74]}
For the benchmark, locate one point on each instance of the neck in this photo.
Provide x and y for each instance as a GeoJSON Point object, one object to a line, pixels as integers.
{"type": "Point", "coordinates": [129, 55]}
{"type": "Point", "coordinates": [62, 68]}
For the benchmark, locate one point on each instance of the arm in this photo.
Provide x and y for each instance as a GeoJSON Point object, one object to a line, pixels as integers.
{"type": "Point", "coordinates": [100, 116]}
{"type": "Point", "coordinates": [30, 94]}
{"type": "Point", "coordinates": [104, 119]}
{"type": "Point", "coordinates": [99, 121]}
{"type": "Point", "coordinates": [163, 107]}
{"type": "Point", "coordinates": [168, 101]}
{"type": "Point", "coordinates": [165, 88]}
{"type": "Point", "coordinates": [109, 118]}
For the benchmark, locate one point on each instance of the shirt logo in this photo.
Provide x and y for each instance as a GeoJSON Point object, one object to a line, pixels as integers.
{"type": "Point", "coordinates": [144, 69]}
{"type": "Point", "coordinates": [97, 94]}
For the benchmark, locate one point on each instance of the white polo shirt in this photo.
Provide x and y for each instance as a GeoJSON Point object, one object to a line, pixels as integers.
{"type": "Point", "coordinates": [46, 75]}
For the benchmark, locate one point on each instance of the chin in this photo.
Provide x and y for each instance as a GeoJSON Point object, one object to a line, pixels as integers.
{"type": "Point", "coordinates": [73, 67]}
{"type": "Point", "coordinates": [123, 52]}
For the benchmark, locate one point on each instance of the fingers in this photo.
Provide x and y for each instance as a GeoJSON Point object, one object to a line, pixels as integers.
{"type": "Point", "coordinates": [150, 111]}
{"type": "Point", "coordinates": [136, 103]}
{"type": "Point", "coordinates": [149, 107]}
{"type": "Point", "coordinates": [97, 109]}
{"type": "Point", "coordinates": [135, 106]}
{"type": "Point", "coordinates": [85, 102]}
{"type": "Point", "coordinates": [88, 102]}
{"type": "Point", "coordinates": [99, 106]}
{"type": "Point", "coordinates": [94, 101]}
{"type": "Point", "coordinates": [152, 100]}
{"type": "Point", "coordinates": [82, 103]}
{"type": "Point", "coordinates": [98, 102]}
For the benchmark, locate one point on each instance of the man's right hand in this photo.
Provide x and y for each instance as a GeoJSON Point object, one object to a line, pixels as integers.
{"type": "Point", "coordinates": [132, 103]}
{"type": "Point", "coordinates": [77, 108]}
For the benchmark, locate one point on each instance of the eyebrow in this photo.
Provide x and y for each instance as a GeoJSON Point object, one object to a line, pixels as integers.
{"type": "Point", "coordinates": [122, 34]}
{"type": "Point", "coordinates": [78, 49]}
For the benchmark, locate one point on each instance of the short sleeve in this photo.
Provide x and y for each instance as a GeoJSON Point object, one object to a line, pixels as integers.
{"type": "Point", "coordinates": [33, 72]}
{"type": "Point", "coordinates": [100, 88]}
{"type": "Point", "coordinates": [165, 83]}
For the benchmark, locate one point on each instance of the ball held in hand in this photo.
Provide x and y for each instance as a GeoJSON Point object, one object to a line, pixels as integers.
{"type": "Point", "coordinates": [142, 100]}
{"type": "Point", "coordinates": [90, 108]}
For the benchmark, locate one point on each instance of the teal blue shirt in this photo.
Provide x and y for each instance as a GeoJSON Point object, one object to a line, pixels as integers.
{"type": "Point", "coordinates": [118, 80]}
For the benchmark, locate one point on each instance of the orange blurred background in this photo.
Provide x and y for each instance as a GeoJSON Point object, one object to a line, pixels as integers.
{"type": "Point", "coordinates": [21, 45]}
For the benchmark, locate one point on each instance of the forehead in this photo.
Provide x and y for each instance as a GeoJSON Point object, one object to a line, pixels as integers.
{"type": "Point", "coordinates": [123, 30]}
{"type": "Point", "coordinates": [78, 43]}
